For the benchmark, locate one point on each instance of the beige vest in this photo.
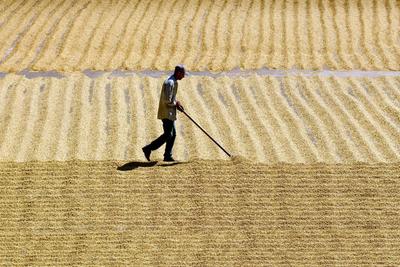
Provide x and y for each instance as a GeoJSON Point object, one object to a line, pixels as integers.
{"type": "Point", "coordinates": [167, 105]}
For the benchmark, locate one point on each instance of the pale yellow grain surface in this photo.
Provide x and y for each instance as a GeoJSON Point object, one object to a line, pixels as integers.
{"type": "Point", "coordinates": [314, 177]}
{"type": "Point", "coordinates": [266, 119]}
{"type": "Point", "coordinates": [203, 35]}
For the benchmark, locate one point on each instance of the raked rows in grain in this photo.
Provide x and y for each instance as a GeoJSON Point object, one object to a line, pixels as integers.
{"type": "Point", "coordinates": [204, 35]}
{"type": "Point", "coordinates": [223, 213]}
{"type": "Point", "coordinates": [266, 119]}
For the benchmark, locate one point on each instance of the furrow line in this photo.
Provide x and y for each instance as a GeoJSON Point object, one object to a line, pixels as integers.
{"type": "Point", "coordinates": [349, 21]}
{"type": "Point", "coordinates": [202, 31]}
{"type": "Point", "coordinates": [353, 128]}
{"type": "Point", "coordinates": [366, 23]}
{"type": "Point", "coordinates": [106, 37]}
{"type": "Point", "coordinates": [391, 92]}
{"type": "Point", "coordinates": [223, 37]}
{"type": "Point", "coordinates": [394, 24]}
{"type": "Point", "coordinates": [388, 33]}
{"type": "Point", "coordinates": [15, 15]}
{"type": "Point", "coordinates": [377, 34]}
{"type": "Point", "coordinates": [8, 14]}
{"type": "Point", "coordinates": [20, 54]}
{"type": "Point", "coordinates": [10, 50]}
{"type": "Point", "coordinates": [208, 35]}
{"type": "Point", "coordinates": [159, 40]}
{"type": "Point", "coordinates": [150, 95]}
{"type": "Point", "coordinates": [375, 110]}
{"type": "Point", "coordinates": [116, 48]}
{"type": "Point", "coordinates": [285, 45]}
{"type": "Point", "coordinates": [206, 149]}
{"type": "Point", "coordinates": [316, 126]}
{"type": "Point", "coordinates": [346, 149]}
{"type": "Point", "coordinates": [195, 26]}
{"type": "Point", "coordinates": [99, 22]}
{"type": "Point", "coordinates": [49, 137]}
{"type": "Point", "coordinates": [217, 105]}
{"type": "Point", "coordinates": [291, 34]}
{"type": "Point", "coordinates": [112, 120]}
{"type": "Point", "coordinates": [361, 114]}
{"type": "Point", "coordinates": [126, 50]}
{"type": "Point", "coordinates": [193, 145]}
{"type": "Point", "coordinates": [74, 141]}
{"type": "Point", "coordinates": [287, 149]}
{"type": "Point", "coordinates": [13, 102]}
{"type": "Point", "coordinates": [121, 119]}
{"type": "Point", "coordinates": [327, 43]}
{"type": "Point", "coordinates": [54, 47]}
{"type": "Point", "coordinates": [7, 85]}
{"type": "Point", "coordinates": [270, 123]}
{"type": "Point", "coordinates": [140, 42]}
{"type": "Point", "coordinates": [271, 47]}
{"type": "Point", "coordinates": [245, 41]}
{"type": "Point", "coordinates": [218, 36]}
{"type": "Point", "coordinates": [177, 48]}
{"type": "Point", "coordinates": [313, 57]}
{"type": "Point", "coordinates": [44, 44]}
{"type": "Point", "coordinates": [94, 102]}
{"type": "Point", "coordinates": [385, 103]}
{"type": "Point", "coordinates": [365, 46]}
{"type": "Point", "coordinates": [19, 123]}
{"type": "Point", "coordinates": [297, 131]}
{"type": "Point", "coordinates": [30, 146]}
{"type": "Point", "coordinates": [265, 31]}
{"type": "Point", "coordinates": [139, 118]}
{"type": "Point", "coordinates": [248, 132]}
{"type": "Point", "coordinates": [85, 120]}
{"type": "Point", "coordinates": [101, 131]}
{"type": "Point", "coordinates": [340, 45]}
{"type": "Point", "coordinates": [262, 129]}
{"type": "Point", "coordinates": [277, 39]}
{"type": "Point", "coordinates": [71, 41]}
{"type": "Point", "coordinates": [385, 50]}
{"type": "Point", "coordinates": [60, 150]}
{"type": "Point", "coordinates": [255, 36]}
{"type": "Point", "coordinates": [302, 34]}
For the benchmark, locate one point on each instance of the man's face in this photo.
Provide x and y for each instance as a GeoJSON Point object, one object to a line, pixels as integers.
{"type": "Point", "coordinates": [179, 75]}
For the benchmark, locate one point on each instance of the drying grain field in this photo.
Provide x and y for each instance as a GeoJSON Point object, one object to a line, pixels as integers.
{"type": "Point", "coordinates": [202, 34]}
{"type": "Point", "coordinates": [207, 213]}
{"type": "Point", "coordinates": [315, 176]}
{"type": "Point", "coordinates": [265, 119]}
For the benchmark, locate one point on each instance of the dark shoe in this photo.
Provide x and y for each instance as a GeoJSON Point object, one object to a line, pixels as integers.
{"type": "Point", "coordinates": [169, 159]}
{"type": "Point", "coordinates": [147, 152]}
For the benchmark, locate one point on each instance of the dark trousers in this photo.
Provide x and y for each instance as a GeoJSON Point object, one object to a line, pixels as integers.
{"type": "Point", "coordinates": [167, 137]}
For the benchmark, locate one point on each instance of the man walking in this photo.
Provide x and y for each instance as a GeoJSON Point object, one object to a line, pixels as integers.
{"type": "Point", "coordinates": [167, 113]}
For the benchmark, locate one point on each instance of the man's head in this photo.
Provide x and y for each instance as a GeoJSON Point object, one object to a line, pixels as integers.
{"type": "Point", "coordinates": [179, 72]}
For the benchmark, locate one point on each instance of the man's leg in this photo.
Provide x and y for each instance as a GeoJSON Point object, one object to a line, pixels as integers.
{"type": "Point", "coordinates": [167, 127]}
{"type": "Point", "coordinates": [170, 142]}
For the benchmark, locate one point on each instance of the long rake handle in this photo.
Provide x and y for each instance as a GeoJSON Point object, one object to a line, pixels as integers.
{"type": "Point", "coordinates": [207, 134]}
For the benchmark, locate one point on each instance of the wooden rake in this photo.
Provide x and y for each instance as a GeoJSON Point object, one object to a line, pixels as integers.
{"type": "Point", "coordinates": [206, 133]}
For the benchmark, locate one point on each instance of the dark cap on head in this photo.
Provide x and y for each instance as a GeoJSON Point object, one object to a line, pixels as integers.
{"type": "Point", "coordinates": [179, 68]}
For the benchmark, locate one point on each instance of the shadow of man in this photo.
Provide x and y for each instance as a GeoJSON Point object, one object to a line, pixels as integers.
{"type": "Point", "coordinates": [136, 164]}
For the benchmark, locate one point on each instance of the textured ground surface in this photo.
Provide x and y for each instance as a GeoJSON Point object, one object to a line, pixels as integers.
{"type": "Point", "coordinates": [208, 213]}
{"type": "Point", "coordinates": [212, 35]}
{"type": "Point", "coordinates": [266, 119]}
{"type": "Point", "coordinates": [315, 179]}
